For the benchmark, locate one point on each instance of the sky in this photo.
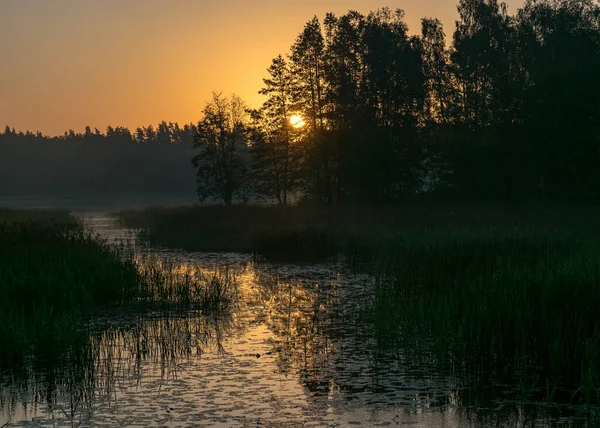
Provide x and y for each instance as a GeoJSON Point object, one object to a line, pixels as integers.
{"type": "Point", "coordinates": [65, 64]}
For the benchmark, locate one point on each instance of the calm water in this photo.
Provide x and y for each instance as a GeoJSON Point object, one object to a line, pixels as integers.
{"type": "Point", "coordinates": [293, 352]}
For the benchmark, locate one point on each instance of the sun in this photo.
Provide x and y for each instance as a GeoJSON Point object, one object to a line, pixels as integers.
{"type": "Point", "coordinates": [296, 121]}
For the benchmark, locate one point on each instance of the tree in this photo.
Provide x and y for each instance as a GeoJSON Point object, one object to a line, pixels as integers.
{"type": "Point", "coordinates": [139, 135]}
{"type": "Point", "coordinates": [163, 133]}
{"type": "Point", "coordinates": [560, 53]}
{"type": "Point", "coordinates": [392, 93]}
{"type": "Point", "coordinates": [187, 134]}
{"type": "Point", "coordinates": [344, 69]}
{"type": "Point", "coordinates": [150, 135]}
{"type": "Point", "coordinates": [490, 159]}
{"type": "Point", "coordinates": [221, 161]}
{"type": "Point", "coordinates": [175, 133]}
{"type": "Point", "coordinates": [308, 67]}
{"type": "Point", "coordinates": [276, 150]}
{"type": "Point", "coordinates": [436, 70]}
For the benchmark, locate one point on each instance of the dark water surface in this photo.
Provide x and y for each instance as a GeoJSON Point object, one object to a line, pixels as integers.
{"type": "Point", "coordinates": [295, 351]}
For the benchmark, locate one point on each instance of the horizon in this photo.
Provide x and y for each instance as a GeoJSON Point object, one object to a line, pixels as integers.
{"type": "Point", "coordinates": [83, 83]}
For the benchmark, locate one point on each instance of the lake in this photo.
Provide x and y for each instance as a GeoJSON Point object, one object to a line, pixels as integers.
{"type": "Point", "coordinates": [297, 349]}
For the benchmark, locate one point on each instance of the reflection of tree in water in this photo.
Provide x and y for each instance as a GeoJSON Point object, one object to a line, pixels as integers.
{"type": "Point", "coordinates": [317, 336]}
{"type": "Point", "coordinates": [339, 357]}
{"type": "Point", "coordinates": [299, 315]}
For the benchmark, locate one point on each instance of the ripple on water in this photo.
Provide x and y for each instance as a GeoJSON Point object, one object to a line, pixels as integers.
{"type": "Point", "coordinates": [293, 354]}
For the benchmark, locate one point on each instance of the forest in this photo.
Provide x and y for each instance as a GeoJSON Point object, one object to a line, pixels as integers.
{"type": "Point", "coordinates": [95, 162]}
{"type": "Point", "coordinates": [363, 111]}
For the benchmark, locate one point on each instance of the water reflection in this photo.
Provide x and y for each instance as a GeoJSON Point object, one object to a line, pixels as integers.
{"type": "Point", "coordinates": [292, 349]}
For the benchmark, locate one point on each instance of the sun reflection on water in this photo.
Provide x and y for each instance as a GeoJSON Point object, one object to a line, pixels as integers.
{"type": "Point", "coordinates": [289, 348]}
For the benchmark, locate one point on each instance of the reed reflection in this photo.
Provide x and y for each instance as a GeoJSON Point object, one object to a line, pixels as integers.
{"type": "Point", "coordinates": [290, 343]}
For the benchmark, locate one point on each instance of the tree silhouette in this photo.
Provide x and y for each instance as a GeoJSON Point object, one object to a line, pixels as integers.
{"type": "Point", "coordinates": [222, 160]}
{"type": "Point", "coordinates": [509, 111]}
{"type": "Point", "coordinates": [276, 144]}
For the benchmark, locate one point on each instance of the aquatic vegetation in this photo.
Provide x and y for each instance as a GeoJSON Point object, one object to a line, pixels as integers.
{"type": "Point", "coordinates": [329, 337]}
{"type": "Point", "coordinates": [50, 275]}
{"type": "Point", "coordinates": [504, 290]}
{"type": "Point", "coordinates": [61, 217]}
{"type": "Point", "coordinates": [54, 275]}
{"type": "Point", "coordinates": [187, 287]}
{"type": "Point", "coordinates": [516, 303]}
{"type": "Point", "coordinates": [119, 346]}
{"type": "Point", "coordinates": [511, 302]}
{"type": "Point", "coordinates": [296, 232]}
{"type": "Point", "coordinates": [301, 231]}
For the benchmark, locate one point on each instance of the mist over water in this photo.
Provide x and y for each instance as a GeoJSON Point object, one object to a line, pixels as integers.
{"type": "Point", "coordinates": [97, 203]}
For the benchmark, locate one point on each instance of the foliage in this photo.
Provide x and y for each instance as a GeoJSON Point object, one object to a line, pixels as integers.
{"type": "Point", "coordinates": [54, 275]}
{"type": "Point", "coordinates": [221, 161]}
{"type": "Point", "coordinates": [51, 274]}
{"type": "Point", "coordinates": [276, 145]}
{"type": "Point", "coordinates": [508, 111]}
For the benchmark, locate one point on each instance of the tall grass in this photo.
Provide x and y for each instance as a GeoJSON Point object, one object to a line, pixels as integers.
{"type": "Point", "coordinates": [188, 288]}
{"type": "Point", "coordinates": [60, 217]}
{"type": "Point", "coordinates": [247, 229]}
{"type": "Point", "coordinates": [53, 274]}
{"type": "Point", "coordinates": [516, 302]}
{"type": "Point", "coordinates": [513, 291]}
{"type": "Point", "coordinates": [318, 231]}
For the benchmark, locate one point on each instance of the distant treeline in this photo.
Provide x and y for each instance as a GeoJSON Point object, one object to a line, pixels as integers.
{"type": "Point", "coordinates": [117, 161]}
{"type": "Point", "coordinates": [509, 110]}
{"type": "Point", "coordinates": [361, 111]}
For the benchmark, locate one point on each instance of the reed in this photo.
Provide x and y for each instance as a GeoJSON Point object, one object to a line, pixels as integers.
{"type": "Point", "coordinates": [510, 290]}
{"type": "Point", "coordinates": [54, 275]}
{"type": "Point", "coordinates": [514, 302]}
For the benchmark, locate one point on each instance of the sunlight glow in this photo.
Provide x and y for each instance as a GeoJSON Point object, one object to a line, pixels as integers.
{"type": "Point", "coordinates": [297, 121]}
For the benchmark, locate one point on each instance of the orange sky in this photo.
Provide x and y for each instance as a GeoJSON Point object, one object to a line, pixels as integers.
{"type": "Point", "coordinates": [70, 63]}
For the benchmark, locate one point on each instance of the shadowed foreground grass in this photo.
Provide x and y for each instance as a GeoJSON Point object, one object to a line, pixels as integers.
{"type": "Point", "coordinates": [517, 303]}
{"type": "Point", "coordinates": [514, 291]}
{"type": "Point", "coordinates": [54, 274]}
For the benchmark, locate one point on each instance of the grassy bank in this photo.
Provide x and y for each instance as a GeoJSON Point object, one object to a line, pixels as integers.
{"type": "Point", "coordinates": [54, 274]}
{"type": "Point", "coordinates": [318, 232]}
{"type": "Point", "coordinates": [515, 303]}
{"type": "Point", "coordinates": [511, 290]}
{"type": "Point", "coordinates": [518, 302]}
{"type": "Point", "coordinates": [219, 228]}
